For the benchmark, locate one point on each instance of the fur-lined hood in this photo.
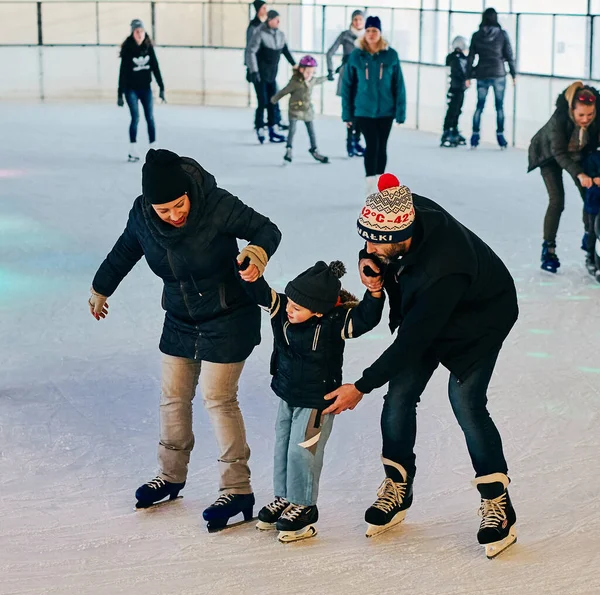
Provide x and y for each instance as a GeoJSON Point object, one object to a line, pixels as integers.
{"type": "Point", "coordinates": [347, 300]}
{"type": "Point", "coordinates": [362, 44]}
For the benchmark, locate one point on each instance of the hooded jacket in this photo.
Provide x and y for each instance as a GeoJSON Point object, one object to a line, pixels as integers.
{"type": "Point", "coordinates": [457, 61]}
{"type": "Point", "coordinates": [492, 45]}
{"type": "Point", "coordinates": [553, 142]}
{"type": "Point", "coordinates": [300, 91]}
{"type": "Point", "coordinates": [208, 314]}
{"type": "Point", "coordinates": [307, 358]}
{"type": "Point", "coordinates": [138, 64]}
{"type": "Point", "coordinates": [264, 51]}
{"type": "Point", "coordinates": [347, 39]}
{"type": "Point", "coordinates": [450, 297]}
{"type": "Point", "coordinates": [373, 85]}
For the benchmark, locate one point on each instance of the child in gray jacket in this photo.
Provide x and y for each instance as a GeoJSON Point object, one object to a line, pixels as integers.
{"type": "Point", "coordinates": [300, 90]}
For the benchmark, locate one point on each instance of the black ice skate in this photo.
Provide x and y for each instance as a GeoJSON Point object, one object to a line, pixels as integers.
{"type": "Point", "coordinates": [550, 260]}
{"type": "Point", "coordinates": [133, 156]}
{"type": "Point", "coordinates": [316, 155]}
{"type": "Point", "coordinates": [156, 490]}
{"type": "Point", "coordinates": [394, 498]}
{"type": "Point", "coordinates": [274, 137]}
{"type": "Point", "coordinates": [260, 134]}
{"type": "Point", "coordinates": [297, 522]}
{"type": "Point", "coordinates": [350, 148]}
{"type": "Point", "coordinates": [497, 530]}
{"type": "Point", "coordinates": [462, 141]}
{"type": "Point", "coordinates": [359, 150]}
{"type": "Point", "coordinates": [502, 142]}
{"type": "Point", "coordinates": [227, 506]}
{"type": "Point", "coordinates": [475, 138]}
{"type": "Point", "coordinates": [288, 155]}
{"type": "Point", "coordinates": [448, 140]}
{"type": "Point", "coordinates": [270, 514]}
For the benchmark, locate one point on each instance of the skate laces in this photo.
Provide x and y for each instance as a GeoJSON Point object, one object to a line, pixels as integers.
{"type": "Point", "coordinates": [389, 495]}
{"type": "Point", "coordinates": [224, 499]}
{"type": "Point", "coordinates": [277, 505]}
{"type": "Point", "coordinates": [492, 512]}
{"type": "Point", "coordinates": [156, 483]}
{"type": "Point", "coordinates": [293, 512]}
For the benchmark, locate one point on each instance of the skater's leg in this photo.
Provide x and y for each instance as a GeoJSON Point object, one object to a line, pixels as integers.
{"type": "Point", "coordinates": [270, 91]}
{"type": "Point", "coordinates": [276, 109]}
{"type": "Point", "coordinates": [399, 414]}
{"type": "Point", "coordinates": [469, 403]}
{"type": "Point", "coordinates": [310, 128]}
{"type": "Point", "coordinates": [261, 101]}
{"type": "Point", "coordinates": [179, 381]}
{"type": "Point", "coordinates": [132, 103]}
{"type": "Point", "coordinates": [219, 386]}
{"type": "Point", "coordinates": [283, 428]}
{"type": "Point", "coordinates": [148, 105]}
{"type": "Point", "coordinates": [499, 85]}
{"type": "Point", "coordinates": [553, 179]}
{"type": "Point", "coordinates": [309, 434]}
{"type": "Point", "coordinates": [454, 109]}
{"type": "Point", "coordinates": [291, 133]}
{"type": "Point", "coordinates": [482, 91]}
{"type": "Point", "coordinates": [384, 128]}
{"type": "Point", "coordinates": [448, 120]}
{"type": "Point", "coordinates": [369, 129]}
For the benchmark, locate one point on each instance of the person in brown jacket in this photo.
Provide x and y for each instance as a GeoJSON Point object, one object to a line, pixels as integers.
{"type": "Point", "coordinates": [562, 144]}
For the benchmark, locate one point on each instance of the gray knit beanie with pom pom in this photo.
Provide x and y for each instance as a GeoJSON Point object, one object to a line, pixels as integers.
{"type": "Point", "coordinates": [317, 288]}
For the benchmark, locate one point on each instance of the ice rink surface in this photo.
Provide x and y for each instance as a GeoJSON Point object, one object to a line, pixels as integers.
{"type": "Point", "coordinates": [79, 398]}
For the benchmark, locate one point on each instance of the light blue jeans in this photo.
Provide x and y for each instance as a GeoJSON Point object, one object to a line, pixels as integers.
{"type": "Point", "coordinates": [300, 438]}
{"type": "Point", "coordinates": [483, 86]}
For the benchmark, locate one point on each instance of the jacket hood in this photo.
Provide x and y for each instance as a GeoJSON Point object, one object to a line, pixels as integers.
{"type": "Point", "coordinates": [491, 31]}
{"type": "Point", "coordinates": [347, 300]}
{"type": "Point", "coordinates": [361, 44]}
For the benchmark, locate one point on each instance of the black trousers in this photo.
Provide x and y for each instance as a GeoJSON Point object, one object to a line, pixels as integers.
{"type": "Point", "coordinates": [376, 132]}
{"type": "Point", "coordinates": [456, 98]}
{"type": "Point", "coordinates": [264, 92]}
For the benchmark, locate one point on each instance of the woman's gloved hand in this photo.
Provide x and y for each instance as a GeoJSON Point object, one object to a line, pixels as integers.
{"type": "Point", "coordinates": [258, 261]}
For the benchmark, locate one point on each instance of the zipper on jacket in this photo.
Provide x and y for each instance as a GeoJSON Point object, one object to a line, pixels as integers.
{"type": "Point", "coordinates": [180, 283]}
{"type": "Point", "coordinates": [316, 339]}
{"type": "Point", "coordinates": [381, 71]}
{"type": "Point", "coordinates": [285, 328]}
{"type": "Point", "coordinates": [367, 70]}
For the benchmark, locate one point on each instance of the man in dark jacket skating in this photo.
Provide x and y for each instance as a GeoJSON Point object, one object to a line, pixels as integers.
{"type": "Point", "coordinates": [453, 302]}
{"type": "Point", "coordinates": [187, 229]}
{"type": "Point", "coordinates": [492, 46]}
{"type": "Point", "coordinates": [263, 52]}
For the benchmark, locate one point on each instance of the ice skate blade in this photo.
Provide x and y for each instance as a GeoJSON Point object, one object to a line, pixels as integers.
{"type": "Point", "coordinates": [493, 549]}
{"type": "Point", "coordinates": [290, 536]}
{"type": "Point", "coordinates": [140, 506]}
{"type": "Point", "coordinates": [262, 526]}
{"type": "Point", "coordinates": [211, 527]}
{"type": "Point", "coordinates": [373, 530]}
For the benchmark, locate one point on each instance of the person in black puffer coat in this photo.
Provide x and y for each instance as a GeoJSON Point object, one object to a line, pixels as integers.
{"type": "Point", "coordinates": [311, 323]}
{"type": "Point", "coordinates": [492, 45]}
{"type": "Point", "coordinates": [187, 228]}
{"type": "Point", "coordinates": [138, 64]}
{"type": "Point", "coordinates": [563, 143]}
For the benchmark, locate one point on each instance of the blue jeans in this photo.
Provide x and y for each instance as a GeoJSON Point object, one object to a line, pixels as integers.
{"type": "Point", "coordinates": [145, 97]}
{"type": "Point", "coordinates": [468, 399]}
{"type": "Point", "coordinates": [483, 86]}
{"type": "Point", "coordinates": [300, 438]}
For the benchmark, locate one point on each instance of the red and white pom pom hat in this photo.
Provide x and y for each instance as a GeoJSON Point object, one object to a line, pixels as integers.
{"type": "Point", "coordinates": [388, 215]}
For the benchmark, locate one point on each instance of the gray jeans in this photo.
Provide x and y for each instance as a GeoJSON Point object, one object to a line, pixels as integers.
{"type": "Point", "coordinates": [219, 386]}
{"type": "Point", "coordinates": [292, 132]}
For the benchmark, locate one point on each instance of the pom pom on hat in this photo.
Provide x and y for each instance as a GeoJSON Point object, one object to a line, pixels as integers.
{"type": "Point", "coordinates": [337, 268]}
{"type": "Point", "coordinates": [387, 181]}
{"type": "Point", "coordinates": [317, 288]}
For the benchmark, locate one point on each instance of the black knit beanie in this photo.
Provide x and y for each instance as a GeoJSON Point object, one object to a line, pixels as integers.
{"type": "Point", "coordinates": [317, 288]}
{"type": "Point", "coordinates": [258, 4]}
{"type": "Point", "coordinates": [163, 179]}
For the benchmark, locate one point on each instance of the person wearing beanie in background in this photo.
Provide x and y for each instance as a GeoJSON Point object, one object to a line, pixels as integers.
{"type": "Point", "coordinates": [454, 303]}
{"type": "Point", "coordinates": [300, 89]}
{"type": "Point", "coordinates": [262, 58]}
{"type": "Point", "coordinates": [187, 229]}
{"type": "Point", "coordinates": [138, 64]}
{"type": "Point", "coordinates": [261, 9]}
{"type": "Point", "coordinates": [457, 61]}
{"type": "Point", "coordinates": [373, 95]}
{"type": "Point", "coordinates": [347, 39]}
{"type": "Point", "coordinates": [311, 323]}
{"type": "Point", "coordinates": [563, 143]}
{"type": "Point", "coordinates": [492, 46]}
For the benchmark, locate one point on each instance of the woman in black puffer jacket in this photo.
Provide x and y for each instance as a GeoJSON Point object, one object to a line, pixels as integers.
{"type": "Point", "coordinates": [562, 144]}
{"type": "Point", "coordinates": [187, 228]}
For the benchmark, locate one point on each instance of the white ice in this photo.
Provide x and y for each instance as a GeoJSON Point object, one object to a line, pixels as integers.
{"type": "Point", "coordinates": [79, 398]}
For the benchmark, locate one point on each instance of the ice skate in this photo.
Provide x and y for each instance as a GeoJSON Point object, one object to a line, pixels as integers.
{"type": "Point", "coordinates": [359, 150]}
{"type": "Point", "coordinates": [394, 498]}
{"type": "Point", "coordinates": [462, 141]}
{"type": "Point", "coordinates": [133, 155]}
{"type": "Point", "coordinates": [475, 140]}
{"type": "Point", "coordinates": [154, 491]}
{"type": "Point", "coordinates": [371, 184]}
{"type": "Point", "coordinates": [350, 148]}
{"type": "Point", "coordinates": [502, 142]}
{"type": "Point", "coordinates": [227, 506]}
{"type": "Point", "coordinates": [288, 155]}
{"type": "Point", "coordinates": [270, 514]}
{"type": "Point", "coordinates": [318, 157]}
{"type": "Point", "coordinates": [260, 134]}
{"type": "Point", "coordinates": [274, 137]}
{"type": "Point", "coordinates": [282, 127]}
{"type": "Point", "coordinates": [550, 260]}
{"type": "Point", "coordinates": [497, 530]}
{"type": "Point", "coordinates": [448, 140]}
{"type": "Point", "coordinates": [590, 264]}
{"type": "Point", "coordinates": [297, 522]}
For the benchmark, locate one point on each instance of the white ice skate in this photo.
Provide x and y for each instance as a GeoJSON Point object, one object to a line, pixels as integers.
{"type": "Point", "coordinates": [133, 156]}
{"type": "Point", "coordinates": [304, 533]}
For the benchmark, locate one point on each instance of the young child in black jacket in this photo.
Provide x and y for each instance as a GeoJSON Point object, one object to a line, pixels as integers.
{"type": "Point", "coordinates": [311, 322]}
{"type": "Point", "coordinates": [457, 61]}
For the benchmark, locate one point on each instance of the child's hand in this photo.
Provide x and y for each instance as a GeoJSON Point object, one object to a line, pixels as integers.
{"type": "Point", "coordinates": [468, 84]}
{"type": "Point", "coordinates": [585, 180]}
{"type": "Point", "coordinates": [597, 181]}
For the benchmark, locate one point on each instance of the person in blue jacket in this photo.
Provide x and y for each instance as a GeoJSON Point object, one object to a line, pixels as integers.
{"type": "Point", "coordinates": [373, 95]}
{"type": "Point", "coordinates": [188, 228]}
